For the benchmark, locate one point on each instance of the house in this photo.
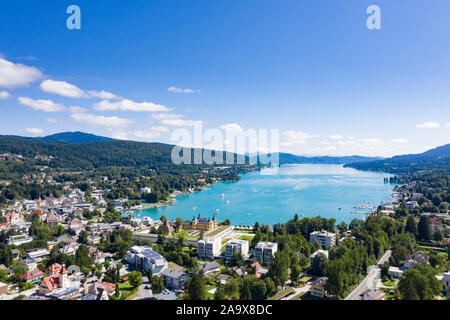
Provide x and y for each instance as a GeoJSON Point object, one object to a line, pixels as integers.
{"type": "Point", "coordinates": [19, 239]}
{"type": "Point", "coordinates": [236, 245]}
{"type": "Point", "coordinates": [38, 254]}
{"type": "Point", "coordinates": [98, 257]}
{"type": "Point", "coordinates": [144, 258]}
{"type": "Point", "coordinates": [13, 217]}
{"type": "Point", "coordinates": [16, 253]}
{"type": "Point", "coordinates": [211, 267]}
{"type": "Point", "coordinates": [372, 294]}
{"type": "Point", "coordinates": [52, 220]}
{"type": "Point", "coordinates": [240, 272]}
{"type": "Point", "coordinates": [414, 259]}
{"type": "Point", "coordinates": [318, 287]}
{"type": "Point", "coordinates": [76, 226]}
{"type": "Point", "coordinates": [99, 291]}
{"type": "Point", "coordinates": [436, 224]}
{"type": "Point", "coordinates": [411, 204]}
{"type": "Point", "coordinates": [265, 251]}
{"type": "Point", "coordinates": [56, 280]}
{"type": "Point", "coordinates": [259, 271]}
{"type": "Point", "coordinates": [146, 190]}
{"type": "Point", "coordinates": [35, 276]}
{"type": "Point", "coordinates": [173, 278]}
{"type": "Point", "coordinates": [30, 264]}
{"type": "Point", "coordinates": [395, 272]}
{"type": "Point", "coordinates": [69, 248]}
{"type": "Point", "coordinates": [326, 239]}
{"type": "Point", "coordinates": [223, 278]}
{"type": "Point", "coordinates": [446, 283]}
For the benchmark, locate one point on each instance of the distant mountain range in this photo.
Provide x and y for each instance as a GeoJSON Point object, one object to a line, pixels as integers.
{"type": "Point", "coordinates": [434, 159]}
{"type": "Point", "coordinates": [82, 148]}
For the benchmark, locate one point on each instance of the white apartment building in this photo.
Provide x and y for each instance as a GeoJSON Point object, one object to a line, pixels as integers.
{"type": "Point", "coordinates": [446, 282]}
{"type": "Point", "coordinates": [264, 251]}
{"type": "Point", "coordinates": [144, 258]}
{"type": "Point", "coordinates": [327, 239]}
{"type": "Point", "coordinates": [233, 246]}
{"type": "Point", "coordinates": [209, 247]}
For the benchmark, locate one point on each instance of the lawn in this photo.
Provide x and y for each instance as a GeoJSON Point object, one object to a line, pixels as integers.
{"type": "Point", "coordinates": [298, 296]}
{"type": "Point", "coordinates": [304, 279]}
{"type": "Point", "coordinates": [214, 232]}
{"type": "Point", "coordinates": [248, 238]}
{"type": "Point", "coordinates": [389, 283]}
{"type": "Point", "coordinates": [126, 291]}
{"type": "Point", "coordinates": [281, 293]}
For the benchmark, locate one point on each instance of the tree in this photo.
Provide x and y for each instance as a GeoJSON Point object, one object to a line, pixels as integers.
{"type": "Point", "coordinates": [435, 260]}
{"type": "Point", "coordinates": [318, 264]}
{"type": "Point", "coordinates": [438, 235]}
{"type": "Point", "coordinates": [411, 225]}
{"type": "Point", "coordinates": [135, 279]}
{"type": "Point", "coordinates": [82, 237]}
{"type": "Point", "coordinates": [196, 284]}
{"type": "Point", "coordinates": [163, 218]}
{"type": "Point", "coordinates": [82, 256]}
{"type": "Point", "coordinates": [424, 229]}
{"type": "Point", "coordinates": [419, 283]}
{"type": "Point", "coordinates": [237, 260]}
{"type": "Point", "coordinates": [279, 268]}
{"type": "Point", "coordinates": [295, 273]}
{"type": "Point", "coordinates": [157, 284]}
{"type": "Point", "coordinates": [178, 223]}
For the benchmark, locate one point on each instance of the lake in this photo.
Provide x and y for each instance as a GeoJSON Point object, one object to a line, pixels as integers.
{"type": "Point", "coordinates": [329, 191]}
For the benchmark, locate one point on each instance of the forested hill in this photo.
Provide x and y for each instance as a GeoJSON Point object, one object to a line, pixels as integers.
{"type": "Point", "coordinates": [91, 155]}
{"type": "Point", "coordinates": [75, 137]}
{"type": "Point", "coordinates": [287, 158]}
{"type": "Point", "coordinates": [434, 159]}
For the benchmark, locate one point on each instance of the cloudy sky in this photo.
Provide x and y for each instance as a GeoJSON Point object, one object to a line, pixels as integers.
{"type": "Point", "coordinates": [310, 69]}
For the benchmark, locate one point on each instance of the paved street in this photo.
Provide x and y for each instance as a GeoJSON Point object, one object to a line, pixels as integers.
{"type": "Point", "coordinates": [372, 277]}
{"type": "Point", "coordinates": [297, 291]}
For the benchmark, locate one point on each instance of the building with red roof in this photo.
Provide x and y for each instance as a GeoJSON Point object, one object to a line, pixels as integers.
{"type": "Point", "coordinates": [34, 276]}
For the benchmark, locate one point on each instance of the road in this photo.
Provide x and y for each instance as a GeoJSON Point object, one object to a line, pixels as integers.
{"type": "Point", "coordinates": [296, 292]}
{"type": "Point", "coordinates": [373, 276]}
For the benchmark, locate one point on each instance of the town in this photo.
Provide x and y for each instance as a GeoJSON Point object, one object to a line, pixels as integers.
{"type": "Point", "coordinates": [83, 246]}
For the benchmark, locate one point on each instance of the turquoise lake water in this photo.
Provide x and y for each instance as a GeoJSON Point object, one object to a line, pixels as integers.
{"type": "Point", "coordinates": [308, 189]}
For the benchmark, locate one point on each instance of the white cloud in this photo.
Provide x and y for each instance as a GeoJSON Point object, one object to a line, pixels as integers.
{"type": "Point", "coordinates": [128, 105]}
{"type": "Point", "coordinates": [17, 75]}
{"type": "Point", "coordinates": [51, 120]}
{"type": "Point", "coordinates": [180, 90]}
{"type": "Point", "coordinates": [77, 109]}
{"type": "Point", "coordinates": [110, 122]}
{"type": "Point", "coordinates": [34, 130]}
{"type": "Point", "coordinates": [295, 138]}
{"type": "Point", "coordinates": [4, 95]}
{"type": "Point", "coordinates": [179, 122]}
{"type": "Point", "coordinates": [151, 133]}
{"type": "Point", "coordinates": [447, 125]}
{"type": "Point", "coordinates": [62, 88]}
{"type": "Point", "coordinates": [336, 137]}
{"type": "Point", "coordinates": [232, 127]}
{"type": "Point", "coordinates": [103, 95]}
{"type": "Point", "coordinates": [428, 125]}
{"type": "Point", "coordinates": [68, 90]}
{"type": "Point", "coordinates": [399, 140]}
{"type": "Point", "coordinates": [43, 105]}
{"type": "Point", "coordinates": [165, 115]}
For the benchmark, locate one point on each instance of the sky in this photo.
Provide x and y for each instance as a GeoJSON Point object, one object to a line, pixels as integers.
{"type": "Point", "coordinates": [145, 69]}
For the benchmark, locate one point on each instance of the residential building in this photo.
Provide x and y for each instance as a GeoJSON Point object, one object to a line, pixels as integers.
{"type": "Point", "coordinates": [264, 251]}
{"type": "Point", "coordinates": [411, 204]}
{"type": "Point", "coordinates": [146, 190]}
{"type": "Point", "coordinates": [211, 267]}
{"type": "Point", "coordinates": [56, 280]}
{"type": "Point", "coordinates": [236, 245]}
{"type": "Point", "coordinates": [209, 247]}
{"type": "Point", "coordinates": [19, 239]}
{"type": "Point", "coordinates": [174, 279]}
{"type": "Point", "coordinates": [38, 254]}
{"type": "Point", "coordinates": [3, 288]}
{"type": "Point", "coordinates": [395, 272]}
{"type": "Point", "coordinates": [144, 258]}
{"type": "Point", "coordinates": [98, 291]}
{"type": "Point", "coordinates": [30, 264]}
{"type": "Point", "coordinates": [327, 239]}
{"type": "Point", "coordinates": [318, 287]}
{"type": "Point", "coordinates": [414, 259]}
{"type": "Point", "coordinates": [372, 294]}
{"type": "Point", "coordinates": [35, 276]}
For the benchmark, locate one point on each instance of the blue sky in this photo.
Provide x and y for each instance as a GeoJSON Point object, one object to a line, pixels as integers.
{"type": "Point", "coordinates": [311, 69]}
